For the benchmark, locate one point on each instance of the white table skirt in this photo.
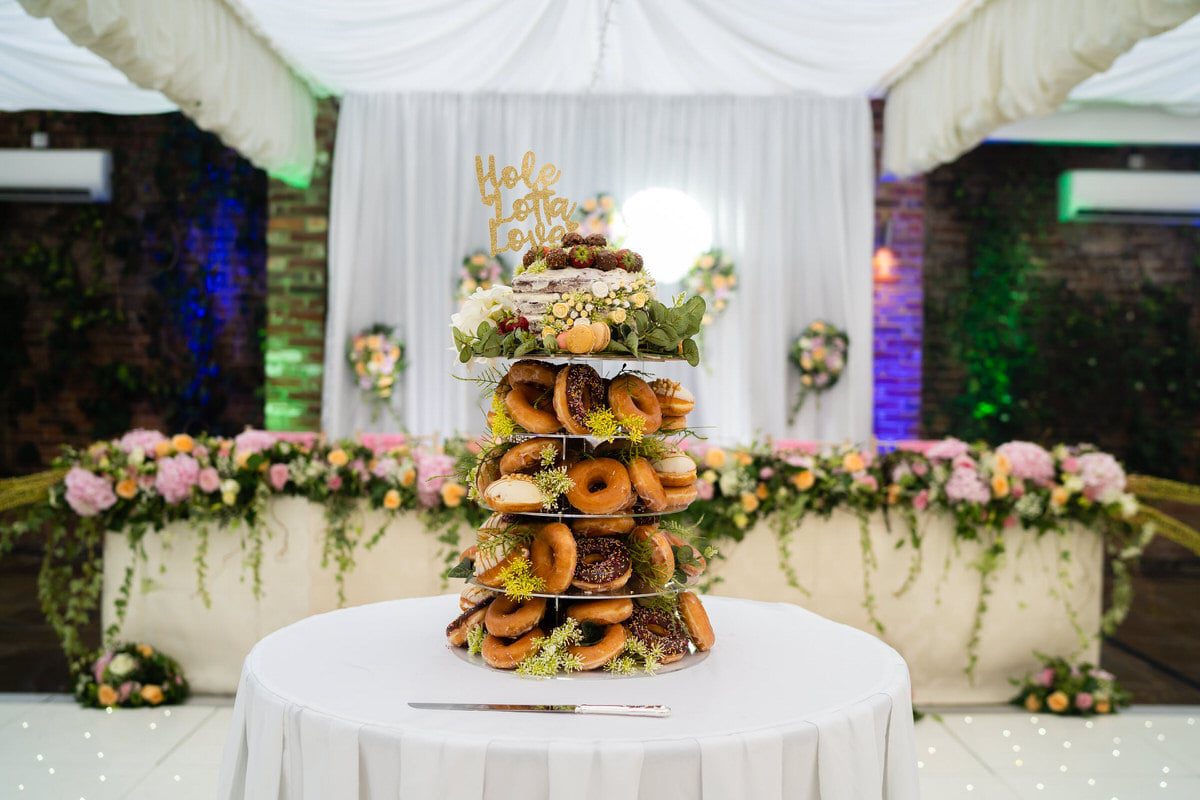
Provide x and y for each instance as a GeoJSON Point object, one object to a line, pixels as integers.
{"type": "Point", "coordinates": [788, 705]}
{"type": "Point", "coordinates": [1026, 611]}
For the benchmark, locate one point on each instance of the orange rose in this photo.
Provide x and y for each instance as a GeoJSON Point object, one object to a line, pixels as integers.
{"type": "Point", "coordinates": [453, 494]}
{"type": "Point", "coordinates": [183, 443]}
{"type": "Point", "coordinates": [749, 502]}
{"type": "Point", "coordinates": [145, 650]}
{"type": "Point", "coordinates": [1058, 702]}
{"type": "Point", "coordinates": [744, 459]}
{"type": "Point", "coordinates": [1032, 703]}
{"type": "Point", "coordinates": [1102, 707]}
{"type": "Point", "coordinates": [127, 488]}
{"type": "Point", "coordinates": [715, 458]}
{"type": "Point", "coordinates": [152, 694]}
{"type": "Point", "coordinates": [391, 500]}
{"type": "Point", "coordinates": [1002, 466]}
{"type": "Point", "coordinates": [338, 457]}
{"type": "Point", "coordinates": [804, 480]}
{"type": "Point", "coordinates": [162, 449]}
{"type": "Point", "coordinates": [761, 492]}
{"type": "Point", "coordinates": [893, 494]}
{"type": "Point", "coordinates": [107, 695]}
{"type": "Point", "coordinates": [1059, 496]}
{"type": "Point", "coordinates": [999, 486]}
{"type": "Point", "coordinates": [408, 476]}
{"type": "Point", "coordinates": [853, 462]}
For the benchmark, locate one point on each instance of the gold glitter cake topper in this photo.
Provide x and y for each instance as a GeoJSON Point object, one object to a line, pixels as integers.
{"type": "Point", "coordinates": [537, 211]}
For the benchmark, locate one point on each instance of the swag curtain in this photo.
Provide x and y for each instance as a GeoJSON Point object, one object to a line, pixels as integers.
{"type": "Point", "coordinates": [788, 183]}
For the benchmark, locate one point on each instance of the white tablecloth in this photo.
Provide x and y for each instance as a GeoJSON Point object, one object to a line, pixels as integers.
{"type": "Point", "coordinates": [789, 705]}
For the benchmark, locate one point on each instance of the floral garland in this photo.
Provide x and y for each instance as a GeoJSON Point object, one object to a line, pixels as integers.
{"type": "Point", "coordinates": [480, 270]}
{"type": "Point", "coordinates": [1060, 688]}
{"type": "Point", "coordinates": [131, 676]}
{"type": "Point", "coordinates": [713, 277]}
{"type": "Point", "coordinates": [820, 353]}
{"type": "Point", "coordinates": [598, 215]}
{"type": "Point", "coordinates": [376, 355]}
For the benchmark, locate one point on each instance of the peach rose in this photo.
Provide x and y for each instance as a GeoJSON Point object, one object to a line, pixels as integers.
{"type": "Point", "coordinates": [391, 500]}
{"type": "Point", "coordinates": [338, 457]}
{"type": "Point", "coordinates": [127, 488]}
{"type": "Point", "coordinates": [163, 448]}
{"type": "Point", "coordinates": [999, 486]}
{"type": "Point", "coordinates": [183, 443]}
{"type": "Point", "coordinates": [106, 695]}
{"type": "Point", "coordinates": [1032, 703]}
{"type": "Point", "coordinates": [453, 494]}
{"type": "Point", "coordinates": [145, 650]}
{"type": "Point", "coordinates": [408, 476]}
{"type": "Point", "coordinates": [749, 502]}
{"type": "Point", "coordinates": [853, 462]}
{"type": "Point", "coordinates": [761, 492]}
{"type": "Point", "coordinates": [152, 694]}
{"type": "Point", "coordinates": [804, 480]}
{"type": "Point", "coordinates": [715, 458]}
{"type": "Point", "coordinates": [1058, 702]}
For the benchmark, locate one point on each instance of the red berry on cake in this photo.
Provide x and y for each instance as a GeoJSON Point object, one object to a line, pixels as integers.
{"type": "Point", "coordinates": [522, 323]}
{"type": "Point", "coordinates": [556, 258]}
{"type": "Point", "coordinates": [596, 240]}
{"type": "Point", "coordinates": [573, 238]}
{"type": "Point", "coordinates": [629, 260]}
{"type": "Point", "coordinates": [606, 260]}
{"type": "Point", "coordinates": [582, 256]}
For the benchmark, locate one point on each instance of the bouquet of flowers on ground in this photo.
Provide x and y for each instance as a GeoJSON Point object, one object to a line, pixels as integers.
{"type": "Point", "coordinates": [819, 352]}
{"type": "Point", "coordinates": [131, 676]}
{"type": "Point", "coordinates": [480, 270]}
{"type": "Point", "coordinates": [1080, 690]}
{"type": "Point", "coordinates": [599, 215]}
{"type": "Point", "coordinates": [377, 356]}
{"type": "Point", "coordinates": [714, 278]}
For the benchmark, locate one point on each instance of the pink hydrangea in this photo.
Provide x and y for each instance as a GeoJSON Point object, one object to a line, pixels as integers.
{"type": "Point", "coordinates": [1103, 478]}
{"type": "Point", "coordinates": [278, 474]}
{"type": "Point", "coordinates": [209, 480]}
{"type": "Point", "coordinates": [965, 486]}
{"type": "Point", "coordinates": [334, 482]}
{"type": "Point", "coordinates": [921, 501]}
{"type": "Point", "coordinates": [704, 490]}
{"type": "Point", "coordinates": [1029, 461]}
{"type": "Point", "coordinates": [252, 441]}
{"type": "Point", "coordinates": [947, 449]}
{"type": "Point", "coordinates": [766, 473]}
{"type": "Point", "coordinates": [385, 467]}
{"type": "Point", "coordinates": [141, 439]}
{"type": "Point", "coordinates": [920, 468]}
{"type": "Point", "coordinates": [87, 493]}
{"type": "Point", "coordinates": [432, 470]}
{"type": "Point", "coordinates": [176, 477]}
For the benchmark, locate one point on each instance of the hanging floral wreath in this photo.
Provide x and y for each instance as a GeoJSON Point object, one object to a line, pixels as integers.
{"type": "Point", "coordinates": [131, 676]}
{"type": "Point", "coordinates": [820, 353]}
{"type": "Point", "coordinates": [480, 270]}
{"type": "Point", "coordinates": [377, 357]}
{"type": "Point", "coordinates": [713, 277]}
{"type": "Point", "coordinates": [599, 215]}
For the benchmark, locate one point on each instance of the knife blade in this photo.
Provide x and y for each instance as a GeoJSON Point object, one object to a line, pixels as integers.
{"type": "Point", "coordinates": [579, 708]}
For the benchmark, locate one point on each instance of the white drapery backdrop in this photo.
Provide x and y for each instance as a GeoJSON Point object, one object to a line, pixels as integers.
{"type": "Point", "coordinates": [788, 183]}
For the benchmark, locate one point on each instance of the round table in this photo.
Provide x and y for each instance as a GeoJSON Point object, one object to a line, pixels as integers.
{"type": "Point", "coordinates": [788, 704]}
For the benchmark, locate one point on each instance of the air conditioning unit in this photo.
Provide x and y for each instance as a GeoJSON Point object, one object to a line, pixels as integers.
{"type": "Point", "coordinates": [55, 176]}
{"type": "Point", "coordinates": [1140, 196]}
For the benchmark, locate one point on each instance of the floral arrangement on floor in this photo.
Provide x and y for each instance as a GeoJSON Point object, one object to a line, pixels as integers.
{"type": "Point", "coordinates": [131, 676]}
{"type": "Point", "coordinates": [143, 481]}
{"type": "Point", "coordinates": [1060, 688]}
{"type": "Point", "coordinates": [820, 353]}
{"type": "Point", "coordinates": [480, 270]}
{"type": "Point", "coordinates": [713, 277]}
{"type": "Point", "coordinates": [376, 355]}
{"type": "Point", "coordinates": [598, 215]}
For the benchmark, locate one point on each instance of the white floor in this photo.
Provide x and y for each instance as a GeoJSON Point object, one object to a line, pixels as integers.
{"type": "Point", "coordinates": [51, 748]}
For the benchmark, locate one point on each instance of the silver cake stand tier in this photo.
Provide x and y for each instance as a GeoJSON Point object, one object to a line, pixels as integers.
{"type": "Point", "coordinates": [692, 659]}
{"type": "Point", "coordinates": [624, 591]}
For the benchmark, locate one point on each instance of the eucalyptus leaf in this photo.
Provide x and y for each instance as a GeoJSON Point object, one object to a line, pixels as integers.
{"type": "Point", "coordinates": [691, 352]}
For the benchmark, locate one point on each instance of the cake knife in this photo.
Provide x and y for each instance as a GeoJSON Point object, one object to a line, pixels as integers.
{"type": "Point", "coordinates": [581, 708]}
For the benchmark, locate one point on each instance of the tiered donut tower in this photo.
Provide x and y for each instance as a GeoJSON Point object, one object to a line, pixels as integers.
{"type": "Point", "coordinates": [579, 568]}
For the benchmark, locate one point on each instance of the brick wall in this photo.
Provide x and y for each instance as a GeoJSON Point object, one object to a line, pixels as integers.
{"type": "Point", "coordinates": [166, 283]}
{"type": "Point", "coordinates": [899, 320]}
{"type": "Point", "coordinates": [296, 267]}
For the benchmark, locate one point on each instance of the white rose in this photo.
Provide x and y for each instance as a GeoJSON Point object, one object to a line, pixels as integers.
{"type": "Point", "coordinates": [137, 456]}
{"type": "Point", "coordinates": [482, 305]}
{"type": "Point", "coordinates": [600, 288]}
{"type": "Point", "coordinates": [121, 665]}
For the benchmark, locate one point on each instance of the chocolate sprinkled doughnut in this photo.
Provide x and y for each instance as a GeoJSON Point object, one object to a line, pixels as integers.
{"type": "Point", "coordinates": [456, 631]}
{"type": "Point", "coordinates": [652, 626]}
{"type": "Point", "coordinates": [601, 564]}
{"type": "Point", "coordinates": [578, 391]}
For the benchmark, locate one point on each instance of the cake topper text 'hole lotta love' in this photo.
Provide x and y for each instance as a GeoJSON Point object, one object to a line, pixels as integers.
{"type": "Point", "coordinates": [544, 218]}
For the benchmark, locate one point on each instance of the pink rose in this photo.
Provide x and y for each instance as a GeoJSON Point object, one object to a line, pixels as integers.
{"type": "Point", "coordinates": [101, 665]}
{"type": "Point", "coordinates": [1029, 461]}
{"type": "Point", "coordinates": [766, 473]}
{"type": "Point", "coordinates": [360, 469]}
{"type": "Point", "coordinates": [1018, 490]}
{"type": "Point", "coordinates": [209, 481]}
{"type": "Point", "coordinates": [278, 474]}
{"type": "Point", "coordinates": [921, 501]}
{"type": "Point", "coordinates": [87, 493]}
{"type": "Point", "coordinates": [1010, 521]}
{"type": "Point", "coordinates": [334, 482]}
{"type": "Point", "coordinates": [965, 462]}
{"type": "Point", "coordinates": [920, 468]}
{"type": "Point", "coordinates": [947, 449]}
{"type": "Point", "coordinates": [252, 441]}
{"type": "Point", "coordinates": [176, 477]}
{"type": "Point", "coordinates": [704, 490]}
{"type": "Point", "coordinates": [1047, 677]}
{"type": "Point", "coordinates": [867, 480]}
{"type": "Point", "coordinates": [1084, 701]}
{"type": "Point", "coordinates": [124, 690]}
{"type": "Point", "coordinates": [141, 439]}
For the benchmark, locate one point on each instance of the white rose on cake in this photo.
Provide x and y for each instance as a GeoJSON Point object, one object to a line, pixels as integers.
{"type": "Point", "coordinates": [483, 304]}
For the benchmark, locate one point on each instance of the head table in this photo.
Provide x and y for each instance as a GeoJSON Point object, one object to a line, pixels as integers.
{"type": "Point", "coordinates": [788, 704]}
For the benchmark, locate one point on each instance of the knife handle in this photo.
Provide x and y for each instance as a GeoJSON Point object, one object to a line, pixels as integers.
{"type": "Point", "coordinates": [624, 711]}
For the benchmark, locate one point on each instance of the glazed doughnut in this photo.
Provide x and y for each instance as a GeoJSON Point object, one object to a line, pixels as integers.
{"type": "Point", "coordinates": [662, 557]}
{"type": "Point", "coordinates": [530, 407]}
{"type": "Point", "coordinates": [680, 497]}
{"type": "Point", "coordinates": [673, 399]}
{"type": "Point", "coordinates": [578, 391]}
{"type": "Point", "coordinates": [472, 596]}
{"type": "Point", "coordinates": [456, 631]}
{"type": "Point", "coordinates": [513, 494]}
{"type": "Point", "coordinates": [630, 396]}
{"type": "Point", "coordinates": [695, 619]}
{"type": "Point", "coordinates": [527, 456]}
{"type": "Point", "coordinates": [510, 618]}
{"type": "Point", "coordinates": [647, 485]}
{"type": "Point", "coordinates": [490, 561]}
{"type": "Point", "coordinates": [603, 651]}
{"type": "Point", "coordinates": [530, 371]}
{"type": "Point", "coordinates": [602, 526]}
{"type": "Point", "coordinates": [602, 612]}
{"type": "Point", "coordinates": [553, 555]}
{"type": "Point", "coordinates": [470, 554]}
{"type": "Point", "coordinates": [601, 486]}
{"type": "Point", "coordinates": [673, 423]}
{"type": "Point", "coordinates": [693, 570]}
{"type": "Point", "coordinates": [676, 469]}
{"type": "Point", "coordinates": [655, 627]}
{"type": "Point", "coordinates": [506, 654]}
{"type": "Point", "coordinates": [602, 565]}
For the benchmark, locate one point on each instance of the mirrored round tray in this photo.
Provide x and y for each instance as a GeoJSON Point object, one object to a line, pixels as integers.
{"type": "Point", "coordinates": [624, 591]}
{"type": "Point", "coordinates": [693, 658]}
